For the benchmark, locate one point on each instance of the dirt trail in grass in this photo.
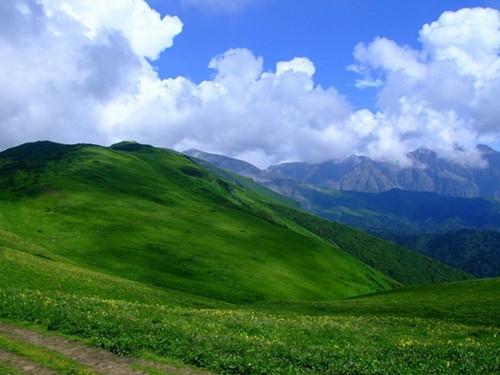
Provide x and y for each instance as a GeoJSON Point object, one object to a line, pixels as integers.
{"type": "Point", "coordinates": [22, 364]}
{"type": "Point", "coordinates": [100, 361]}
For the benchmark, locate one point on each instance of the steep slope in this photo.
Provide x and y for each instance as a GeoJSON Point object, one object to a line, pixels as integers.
{"type": "Point", "coordinates": [393, 260]}
{"type": "Point", "coordinates": [313, 186]}
{"type": "Point", "coordinates": [155, 217]}
{"type": "Point", "coordinates": [474, 251]}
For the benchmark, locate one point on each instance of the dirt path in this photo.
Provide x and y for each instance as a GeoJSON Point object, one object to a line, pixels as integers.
{"type": "Point", "coordinates": [22, 364]}
{"type": "Point", "coordinates": [100, 361]}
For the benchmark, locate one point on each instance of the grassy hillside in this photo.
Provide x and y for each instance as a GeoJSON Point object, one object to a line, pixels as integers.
{"type": "Point", "coordinates": [248, 183]}
{"type": "Point", "coordinates": [450, 328]}
{"type": "Point", "coordinates": [467, 302]}
{"type": "Point", "coordinates": [141, 252]}
{"type": "Point", "coordinates": [154, 216]}
{"type": "Point", "coordinates": [393, 260]}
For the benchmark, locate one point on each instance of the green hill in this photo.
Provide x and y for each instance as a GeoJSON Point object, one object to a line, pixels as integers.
{"type": "Point", "coordinates": [139, 251]}
{"type": "Point", "coordinates": [449, 328]}
{"type": "Point", "coordinates": [154, 216]}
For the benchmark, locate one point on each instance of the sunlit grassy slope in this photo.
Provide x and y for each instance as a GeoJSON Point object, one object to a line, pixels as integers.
{"type": "Point", "coordinates": [153, 216]}
{"type": "Point", "coordinates": [439, 329]}
{"type": "Point", "coordinates": [474, 301]}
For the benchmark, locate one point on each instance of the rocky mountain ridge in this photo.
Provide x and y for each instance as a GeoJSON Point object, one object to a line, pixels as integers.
{"type": "Point", "coordinates": [428, 173]}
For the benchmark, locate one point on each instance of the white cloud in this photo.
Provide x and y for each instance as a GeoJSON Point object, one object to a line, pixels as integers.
{"type": "Point", "coordinates": [80, 71]}
{"type": "Point", "coordinates": [296, 65]}
{"type": "Point", "coordinates": [385, 54]}
{"type": "Point", "coordinates": [147, 32]}
{"type": "Point", "coordinates": [241, 111]}
{"type": "Point", "coordinates": [454, 79]}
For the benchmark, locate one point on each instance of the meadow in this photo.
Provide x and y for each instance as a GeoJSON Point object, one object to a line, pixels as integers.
{"type": "Point", "coordinates": [390, 333]}
{"type": "Point", "coordinates": [141, 252]}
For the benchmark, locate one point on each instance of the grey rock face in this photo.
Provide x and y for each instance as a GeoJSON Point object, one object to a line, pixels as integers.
{"type": "Point", "coordinates": [429, 173]}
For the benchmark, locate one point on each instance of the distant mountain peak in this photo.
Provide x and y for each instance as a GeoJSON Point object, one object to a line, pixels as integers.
{"type": "Point", "coordinates": [429, 173]}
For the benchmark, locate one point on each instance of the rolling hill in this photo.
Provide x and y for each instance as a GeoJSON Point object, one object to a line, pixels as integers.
{"type": "Point", "coordinates": [142, 252]}
{"type": "Point", "coordinates": [153, 216]}
{"type": "Point", "coordinates": [460, 232]}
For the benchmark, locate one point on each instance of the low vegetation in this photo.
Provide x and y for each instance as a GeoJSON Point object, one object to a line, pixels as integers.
{"type": "Point", "coordinates": [133, 251]}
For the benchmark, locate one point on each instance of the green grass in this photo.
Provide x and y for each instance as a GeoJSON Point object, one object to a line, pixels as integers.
{"type": "Point", "coordinates": [155, 217]}
{"type": "Point", "coordinates": [262, 342]}
{"type": "Point", "coordinates": [7, 370]}
{"type": "Point", "coordinates": [436, 329]}
{"type": "Point", "coordinates": [142, 252]}
{"type": "Point", "coordinates": [19, 269]}
{"type": "Point", "coordinates": [471, 302]}
{"type": "Point", "coordinates": [391, 259]}
{"type": "Point", "coordinates": [46, 358]}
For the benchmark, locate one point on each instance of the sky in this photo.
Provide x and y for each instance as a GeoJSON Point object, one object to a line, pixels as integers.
{"type": "Point", "coordinates": [266, 81]}
{"type": "Point", "coordinates": [325, 31]}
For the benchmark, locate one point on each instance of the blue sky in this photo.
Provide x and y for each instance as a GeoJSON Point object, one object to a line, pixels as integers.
{"type": "Point", "coordinates": [326, 31]}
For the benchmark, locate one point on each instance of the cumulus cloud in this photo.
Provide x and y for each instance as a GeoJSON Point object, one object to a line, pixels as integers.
{"type": "Point", "coordinates": [296, 65]}
{"type": "Point", "coordinates": [61, 62]}
{"type": "Point", "coordinates": [80, 71]}
{"type": "Point", "coordinates": [243, 110]}
{"type": "Point", "coordinates": [453, 79]}
{"type": "Point", "coordinates": [147, 32]}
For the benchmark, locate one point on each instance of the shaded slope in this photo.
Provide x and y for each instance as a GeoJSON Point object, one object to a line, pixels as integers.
{"type": "Point", "coordinates": [391, 259]}
{"type": "Point", "coordinates": [154, 216]}
{"type": "Point", "coordinates": [474, 251]}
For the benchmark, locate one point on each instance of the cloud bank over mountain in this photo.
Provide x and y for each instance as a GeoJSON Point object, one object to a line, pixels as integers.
{"type": "Point", "coordinates": [75, 71]}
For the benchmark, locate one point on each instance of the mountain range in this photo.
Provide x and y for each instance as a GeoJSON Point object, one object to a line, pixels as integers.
{"type": "Point", "coordinates": [428, 173]}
